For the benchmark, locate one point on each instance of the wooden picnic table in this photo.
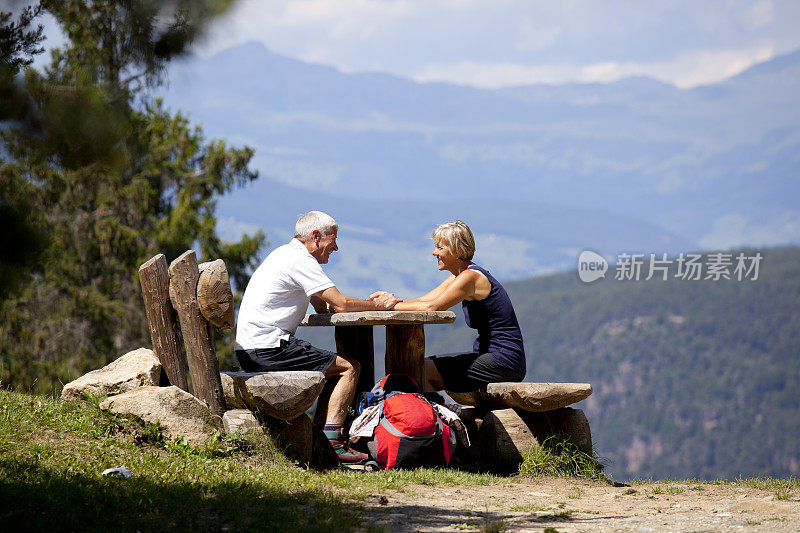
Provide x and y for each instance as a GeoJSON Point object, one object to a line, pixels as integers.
{"type": "Point", "coordinates": [405, 339]}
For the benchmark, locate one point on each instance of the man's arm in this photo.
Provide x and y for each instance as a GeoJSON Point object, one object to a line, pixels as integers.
{"type": "Point", "coordinates": [339, 303]}
{"type": "Point", "coordinates": [320, 305]}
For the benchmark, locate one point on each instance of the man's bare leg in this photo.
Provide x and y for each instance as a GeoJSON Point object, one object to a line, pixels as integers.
{"type": "Point", "coordinates": [339, 391]}
{"type": "Point", "coordinates": [333, 404]}
{"type": "Point", "coordinates": [321, 413]}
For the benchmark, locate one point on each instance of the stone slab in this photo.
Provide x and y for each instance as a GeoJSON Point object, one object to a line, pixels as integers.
{"type": "Point", "coordinates": [502, 440]}
{"type": "Point", "coordinates": [134, 369]}
{"type": "Point", "coordinates": [567, 421]}
{"type": "Point", "coordinates": [379, 318]}
{"type": "Point", "coordinates": [503, 437]}
{"type": "Point", "coordinates": [281, 395]}
{"type": "Point", "coordinates": [177, 411]}
{"type": "Point", "coordinates": [535, 397]}
{"type": "Point", "coordinates": [241, 420]}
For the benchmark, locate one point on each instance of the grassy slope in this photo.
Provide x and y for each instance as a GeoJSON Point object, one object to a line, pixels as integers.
{"type": "Point", "coordinates": [711, 394]}
{"type": "Point", "coordinates": [52, 455]}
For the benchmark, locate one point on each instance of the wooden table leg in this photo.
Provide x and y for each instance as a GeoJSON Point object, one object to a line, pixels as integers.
{"type": "Point", "coordinates": [405, 351]}
{"type": "Point", "coordinates": [356, 341]}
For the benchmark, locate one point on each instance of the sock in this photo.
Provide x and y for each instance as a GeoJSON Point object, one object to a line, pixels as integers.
{"type": "Point", "coordinates": [332, 431]}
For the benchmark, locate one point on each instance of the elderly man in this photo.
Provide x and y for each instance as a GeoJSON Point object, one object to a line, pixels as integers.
{"type": "Point", "coordinates": [274, 303]}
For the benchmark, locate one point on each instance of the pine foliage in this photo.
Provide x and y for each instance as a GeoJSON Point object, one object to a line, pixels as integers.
{"type": "Point", "coordinates": [110, 177]}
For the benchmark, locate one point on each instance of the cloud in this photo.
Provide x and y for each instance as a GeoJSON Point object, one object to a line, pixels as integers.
{"type": "Point", "coordinates": [231, 229]}
{"type": "Point", "coordinates": [735, 230]}
{"type": "Point", "coordinates": [300, 173]}
{"type": "Point", "coordinates": [512, 42]}
{"type": "Point", "coordinates": [685, 70]}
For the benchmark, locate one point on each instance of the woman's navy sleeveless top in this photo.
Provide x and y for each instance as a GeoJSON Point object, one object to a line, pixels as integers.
{"type": "Point", "coordinates": [496, 322]}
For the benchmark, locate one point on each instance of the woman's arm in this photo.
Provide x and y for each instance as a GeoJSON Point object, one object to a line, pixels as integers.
{"type": "Point", "coordinates": [452, 291]}
{"type": "Point", "coordinates": [435, 293]}
{"type": "Point", "coordinates": [425, 298]}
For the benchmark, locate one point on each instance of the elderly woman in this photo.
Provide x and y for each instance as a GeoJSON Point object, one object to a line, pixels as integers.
{"type": "Point", "coordinates": [498, 353]}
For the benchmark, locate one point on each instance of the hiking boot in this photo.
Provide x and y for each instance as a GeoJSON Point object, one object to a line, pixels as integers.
{"type": "Point", "coordinates": [346, 454]}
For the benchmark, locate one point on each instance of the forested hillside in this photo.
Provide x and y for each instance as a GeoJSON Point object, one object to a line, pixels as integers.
{"type": "Point", "coordinates": [691, 378]}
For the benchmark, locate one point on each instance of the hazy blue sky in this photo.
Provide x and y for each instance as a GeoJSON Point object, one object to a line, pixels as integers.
{"type": "Point", "coordinates": [510, 42]}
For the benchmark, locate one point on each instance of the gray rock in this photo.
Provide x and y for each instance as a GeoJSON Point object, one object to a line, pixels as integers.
{"type": "Point", "coordinates": [566, 421]}
{"type": "Point", "coordinates": [502, 437]}
{"type": "Point", "coordinates": [242, 420]}
{"type": "Point", "coordinates": [535, 397]}
{"type": "Point", "coordinates": [134, 369]}
{"type": "Point", "coordinates": [178, 412]}
{"type": "Point", "coordinates": [233, 391]}
{"type": "Point", "coordinates": [281, 395]}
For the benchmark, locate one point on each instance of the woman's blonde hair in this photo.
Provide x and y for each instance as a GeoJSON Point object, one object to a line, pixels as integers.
{"type": "Point", "coordinates": [457, 237]}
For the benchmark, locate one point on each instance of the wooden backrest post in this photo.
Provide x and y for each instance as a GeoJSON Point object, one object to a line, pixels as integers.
{"type": "Point", "coordinates": [200, 353]}
{"type": "Point", "coordinates": [154, 279]}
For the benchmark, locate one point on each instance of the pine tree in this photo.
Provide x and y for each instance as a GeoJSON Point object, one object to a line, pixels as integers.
{"type": "Point", "coordinates": [112, 177]}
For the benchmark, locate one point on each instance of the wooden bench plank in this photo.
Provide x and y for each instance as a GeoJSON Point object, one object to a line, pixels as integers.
{"type": "Point", "coordinates": [535, 397]}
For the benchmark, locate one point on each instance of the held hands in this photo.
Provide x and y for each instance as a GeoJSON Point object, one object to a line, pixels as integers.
{"type": "Point", "coordinates": [384, 300]}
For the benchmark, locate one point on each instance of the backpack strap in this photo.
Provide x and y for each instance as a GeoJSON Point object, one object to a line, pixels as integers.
{"type": "Point", "coordinates": [397, 433]}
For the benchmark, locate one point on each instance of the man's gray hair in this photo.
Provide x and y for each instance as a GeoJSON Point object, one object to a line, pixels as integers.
{"type": "Point", "coordinates": [314, 220]}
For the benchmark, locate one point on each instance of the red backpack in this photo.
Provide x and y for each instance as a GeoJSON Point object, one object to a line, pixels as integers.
{"type": "Point", "coordinates": [410, 433]}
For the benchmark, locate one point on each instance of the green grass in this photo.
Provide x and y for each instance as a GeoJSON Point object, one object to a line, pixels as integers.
{"type": "Point", "coordinates": [575, 492]}
{"type": "Point", "coordinates": [782, 489]}
{"type": "Point", "coordinates": [668, 489]}
{"type": "Point", "coordinates": [528, 508]}
{"type": "Point", "coordinates": [560, 457]}
{"type": "Point", "coordinates": [52, 454]}
{"type": "Point", "coordinates": [556, 516]}
{"type": "Point", "coordinates": [760, 483]}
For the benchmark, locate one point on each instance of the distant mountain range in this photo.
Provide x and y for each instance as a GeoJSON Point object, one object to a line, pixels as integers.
{"type": "Point", "coordinates": [540, 172]}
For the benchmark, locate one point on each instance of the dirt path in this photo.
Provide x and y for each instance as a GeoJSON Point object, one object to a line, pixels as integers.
{"type": "Point", "coordinates": [576, 505]}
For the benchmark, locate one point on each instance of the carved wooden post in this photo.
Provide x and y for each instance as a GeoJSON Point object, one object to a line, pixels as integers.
{"type": "Point", "coordinates": [214, 295]}
{"type": "Point", "coordinates": [200, 353]}
{"type": "Point", "coordinates": [405, 351]}
{"type": "Point", "coordinates": [356, 341]}
{"type": "Point", "coordinates": [154, 279]}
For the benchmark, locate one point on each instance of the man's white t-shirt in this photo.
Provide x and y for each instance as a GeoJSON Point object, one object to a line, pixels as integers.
{"type": "Point", "coordinates": [277, 296]}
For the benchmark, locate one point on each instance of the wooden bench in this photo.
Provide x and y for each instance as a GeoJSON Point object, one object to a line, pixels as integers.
{"type": "Point", "coordinates": [505, 419]}
{"type": "Point", "coordinates": [200, 296]}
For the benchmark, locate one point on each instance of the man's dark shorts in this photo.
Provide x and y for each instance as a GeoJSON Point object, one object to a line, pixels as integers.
{"type": "Point", "coordinates": [469, 371]}
{"type": "Point", "coordinates": [294, 354]}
